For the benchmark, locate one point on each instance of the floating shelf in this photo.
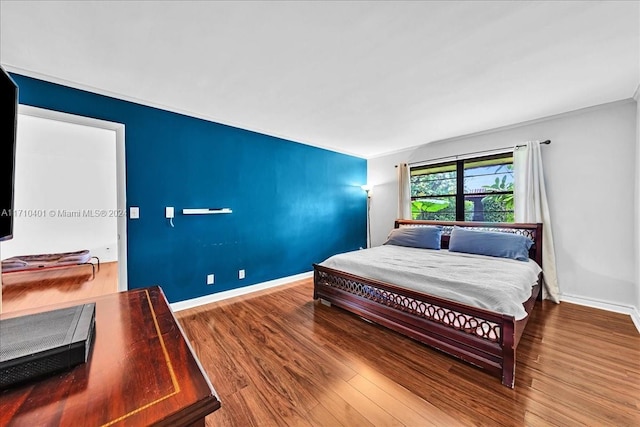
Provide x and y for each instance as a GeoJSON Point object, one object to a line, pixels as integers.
{"type": "Point", "coordinates": [206, 211]}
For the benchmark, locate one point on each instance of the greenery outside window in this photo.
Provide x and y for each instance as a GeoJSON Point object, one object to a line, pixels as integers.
{"type": "Point", "coordinates": [477, 189]}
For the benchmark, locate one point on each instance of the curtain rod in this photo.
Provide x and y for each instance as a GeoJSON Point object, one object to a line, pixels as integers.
{"type": "Point", "coordinates": [547, 142]}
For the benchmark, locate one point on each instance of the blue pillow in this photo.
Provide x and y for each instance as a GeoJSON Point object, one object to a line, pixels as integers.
{"type": "Point", "coordinates": [491, 243]}
{"type": "Point", "coordinates": [427, 237]}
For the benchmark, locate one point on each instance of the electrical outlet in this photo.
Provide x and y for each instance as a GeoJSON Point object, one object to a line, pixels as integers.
{"type": "Point", "coordinates": [210, 279]}
{"type": "Point", "coordinates": [240, 274]}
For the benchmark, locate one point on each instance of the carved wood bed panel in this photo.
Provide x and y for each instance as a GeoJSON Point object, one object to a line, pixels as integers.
{"type": "Point", "coordinates": [483, 338]}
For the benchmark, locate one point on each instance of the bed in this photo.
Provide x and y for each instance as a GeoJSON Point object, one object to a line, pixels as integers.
{"type": "Point", "coordinates": [24, 263]}
{"type": "Point", "coordinates": [486, 338]}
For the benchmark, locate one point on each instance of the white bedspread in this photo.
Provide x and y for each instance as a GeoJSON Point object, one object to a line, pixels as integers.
{"type": "Point", "coordinates": [497, 284]}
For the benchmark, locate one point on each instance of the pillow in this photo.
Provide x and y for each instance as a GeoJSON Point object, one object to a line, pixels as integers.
{"type": "Point", "coordinates": [427, 237]}
{"type": "Point", "coordinates": [491, 243]}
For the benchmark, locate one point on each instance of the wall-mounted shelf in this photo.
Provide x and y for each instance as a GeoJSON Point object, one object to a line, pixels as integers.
{"type": "Point", "coordinates": [206, 211]}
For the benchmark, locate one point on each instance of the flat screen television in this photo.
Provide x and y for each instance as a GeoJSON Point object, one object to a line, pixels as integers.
{"type": "Point", "coordinates": [8, 128]}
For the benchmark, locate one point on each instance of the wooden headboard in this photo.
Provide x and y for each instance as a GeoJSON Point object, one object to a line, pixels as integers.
{"type": "Point", "coordinates": [532, 231]}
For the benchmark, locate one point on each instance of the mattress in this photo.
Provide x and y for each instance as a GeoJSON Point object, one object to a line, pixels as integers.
{"type": "Point", "coordinates": [500, 285]}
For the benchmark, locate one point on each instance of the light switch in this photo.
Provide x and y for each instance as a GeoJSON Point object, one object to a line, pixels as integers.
{"type": "Point", "coordinates": [134, 212]}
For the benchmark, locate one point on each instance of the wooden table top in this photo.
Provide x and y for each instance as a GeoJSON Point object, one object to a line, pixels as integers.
{"type": "Point", "coordinates": [141, 371]}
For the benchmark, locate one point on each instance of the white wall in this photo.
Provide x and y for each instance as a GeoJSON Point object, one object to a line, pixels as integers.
{"type": "Point", "coordinates": [637, 210]}
{"type": "Point", "coordinates": [64, 168]}
{"type": "Point", "coordinates": [588, 166]}
{"type": "Point", "coordinates": [382, 174]}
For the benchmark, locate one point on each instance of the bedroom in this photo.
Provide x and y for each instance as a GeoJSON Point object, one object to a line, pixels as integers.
{"type": "Point", "coordinates": [300, 191]}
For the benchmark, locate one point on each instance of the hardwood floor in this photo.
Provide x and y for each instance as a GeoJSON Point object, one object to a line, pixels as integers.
{"type": "Point", "coordinates": [22, 290]}
{"type": "Point", "coordinates": [278, 358]}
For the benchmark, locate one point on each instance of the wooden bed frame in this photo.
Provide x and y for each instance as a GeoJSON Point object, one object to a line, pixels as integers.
{"type": "Point", "coordinates": [481, 337]}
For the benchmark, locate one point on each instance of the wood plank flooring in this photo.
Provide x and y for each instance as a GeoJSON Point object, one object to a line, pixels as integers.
{"type": "Point", "coordinates": [29, 289]}
{"type": "Point", "coordinates": [277, 358]}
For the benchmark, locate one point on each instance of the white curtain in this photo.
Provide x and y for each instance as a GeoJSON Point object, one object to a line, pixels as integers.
{"type": "Point", "coordinates": [530, 198]}
{"type": "Point", "coordinates": [404, 191]}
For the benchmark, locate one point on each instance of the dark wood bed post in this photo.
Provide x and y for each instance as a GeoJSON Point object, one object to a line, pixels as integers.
{"type": "Point", "coordinates": [538, 257]}
{"type": "Point", "coordinates": [508, 352]}
{"type": "Point", "coordinates": [539, 244]}
{"type": "Point", "coordinates": [315, 280]}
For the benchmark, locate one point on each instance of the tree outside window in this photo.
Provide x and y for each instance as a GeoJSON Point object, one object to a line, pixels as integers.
{"type": "Point", "coordinates": [478, 189]}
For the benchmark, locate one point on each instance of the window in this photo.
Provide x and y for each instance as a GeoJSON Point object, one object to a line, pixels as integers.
{"type": "Point", "coordinates": [478, 189]}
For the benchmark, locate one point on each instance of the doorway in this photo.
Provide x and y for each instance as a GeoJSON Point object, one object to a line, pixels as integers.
{"type": "Point", "coordinates": [69, 195]}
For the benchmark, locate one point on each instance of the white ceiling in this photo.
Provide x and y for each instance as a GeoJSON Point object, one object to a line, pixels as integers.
{"type": "Point", "coordinates": [359, 77]}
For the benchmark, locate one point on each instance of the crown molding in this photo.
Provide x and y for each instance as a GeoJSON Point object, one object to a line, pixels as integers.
{"type": "Point", "coordinates": [122, 97]}
{"type": "Point", "coordinates": [508, 127]}
{"type": "Point", "coordinates": [92, 89]}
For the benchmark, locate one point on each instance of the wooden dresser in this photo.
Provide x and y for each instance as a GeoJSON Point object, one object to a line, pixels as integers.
{"type": "Point", "coordinates": [141, 371]}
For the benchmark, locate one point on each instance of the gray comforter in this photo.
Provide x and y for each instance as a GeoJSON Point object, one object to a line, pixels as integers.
{"type": "Point", "coordinates": [497, 284]}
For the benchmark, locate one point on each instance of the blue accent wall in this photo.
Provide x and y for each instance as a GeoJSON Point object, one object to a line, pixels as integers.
{"type": "Point", "coordinates": [292, 204]}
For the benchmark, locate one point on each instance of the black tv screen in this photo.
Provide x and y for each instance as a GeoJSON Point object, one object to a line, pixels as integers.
{"type": "Point", "coordinates": [8, 126]}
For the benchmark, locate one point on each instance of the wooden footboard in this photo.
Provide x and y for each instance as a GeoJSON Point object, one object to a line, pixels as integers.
{"type": "Point", "coordinates": [481, 337]}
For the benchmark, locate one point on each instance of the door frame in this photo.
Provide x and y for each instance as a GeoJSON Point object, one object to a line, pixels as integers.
{"type": "Point", "coordinates": [121, 173]}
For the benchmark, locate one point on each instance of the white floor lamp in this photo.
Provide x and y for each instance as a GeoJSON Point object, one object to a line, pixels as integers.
{"type": "Point", "coordinates": [369, 190]}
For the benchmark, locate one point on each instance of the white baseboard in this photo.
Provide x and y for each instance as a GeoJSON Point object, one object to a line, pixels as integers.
{"type": "Point", "coordinates": [635, 316]}
{"type": "Point", "coordinates": [604, 305]}
{"type": "Point", "coordinates": [206, 299]}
